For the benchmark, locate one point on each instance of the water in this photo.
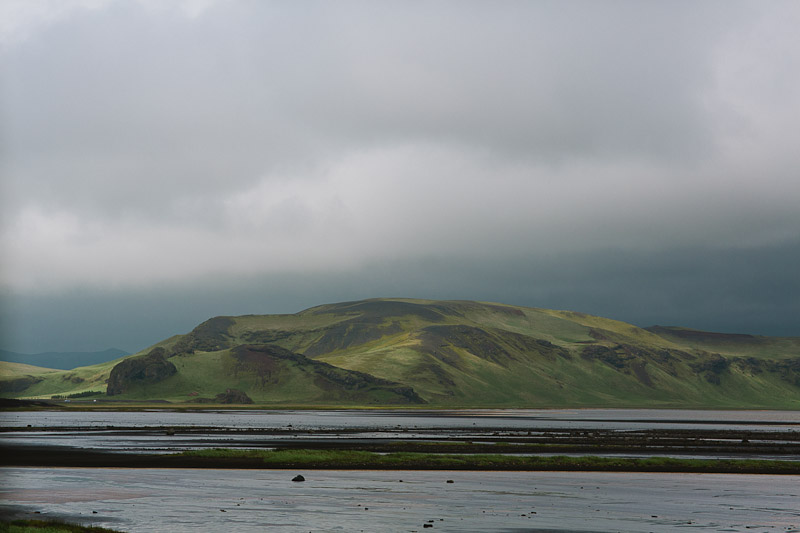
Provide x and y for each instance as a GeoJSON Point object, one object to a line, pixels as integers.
{"type": "Point", "coordinates": [497, 418]}
{"type": "Point", "coordinates": [154, 431]}
{"type": "Point", "coordinates": [151, 500]}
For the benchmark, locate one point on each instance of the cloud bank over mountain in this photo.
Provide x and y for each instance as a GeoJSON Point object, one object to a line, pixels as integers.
{"type": "Point", "coordinates": [623, 158]}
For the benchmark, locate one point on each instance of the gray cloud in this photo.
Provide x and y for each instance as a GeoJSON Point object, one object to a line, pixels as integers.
{"type": "Point", "coordinates": [172, 145]}
{"type": "Point", "coordinates": [714, 290]}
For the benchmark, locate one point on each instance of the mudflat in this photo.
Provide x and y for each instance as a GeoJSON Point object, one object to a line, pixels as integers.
{"type": "Point", "coordinates": [652, 450]}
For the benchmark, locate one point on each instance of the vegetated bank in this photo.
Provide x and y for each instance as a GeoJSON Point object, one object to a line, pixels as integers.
{"type": "Point", "coordinates": [218, 458]}
{"type": "Point", "coordinates": [345, 459]}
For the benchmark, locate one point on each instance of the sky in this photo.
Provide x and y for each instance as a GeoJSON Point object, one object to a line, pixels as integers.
{"type": "Point", "coordinates": [164, 162]}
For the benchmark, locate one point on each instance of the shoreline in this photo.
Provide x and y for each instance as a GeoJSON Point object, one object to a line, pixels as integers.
{"type": "Point", "coordinates": [498, 442]}
{"type": "Point", "coordinates": [107, 404]}
{"type": "Point", "coordinates": [723, 443]}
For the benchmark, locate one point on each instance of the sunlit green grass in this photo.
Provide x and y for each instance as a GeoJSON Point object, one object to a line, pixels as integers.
{"type": "Point", "coordinates": [523, 379]}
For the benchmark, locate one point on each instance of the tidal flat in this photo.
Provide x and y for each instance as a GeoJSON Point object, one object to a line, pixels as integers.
{"type": "Point", "coordinates": [187, 500]}
{"type": "Point", "coordinates": [389, 470]}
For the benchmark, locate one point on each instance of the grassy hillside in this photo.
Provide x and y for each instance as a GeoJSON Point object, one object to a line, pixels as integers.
{"type": "Point", "coordinates": [19, 369]}
{"type": "Point", "coordinates": [451, 353]}
{"type": "Point", "coordinates": [737, 345]}
{"type": "Point", "coordinates": [268, 374]}
{"type": "Point", "coordinates": [62, 360]}
{"type": "Point", "coordinates": [54, 382]}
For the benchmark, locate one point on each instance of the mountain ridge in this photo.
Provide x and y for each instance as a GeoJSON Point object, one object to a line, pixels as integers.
{"type": "Point", "coordinates": [457, 353]}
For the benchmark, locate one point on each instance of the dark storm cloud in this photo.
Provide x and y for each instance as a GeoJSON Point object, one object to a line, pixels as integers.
{"type": "Point", "coordinates": [160, 148]}
{"type": "Point", "coordinates": [745, 291]}
{"type": "Point", "coordinates": [124, 108]}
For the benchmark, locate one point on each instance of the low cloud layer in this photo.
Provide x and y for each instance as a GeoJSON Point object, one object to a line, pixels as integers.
{"type": "Point", "coordinates": [185, 147]}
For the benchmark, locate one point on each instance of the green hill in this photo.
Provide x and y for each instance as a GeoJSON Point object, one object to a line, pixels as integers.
{"type": "Point", "coordinates": [442, 353]}
{"type": "Point", "coordinates": [62, 360]}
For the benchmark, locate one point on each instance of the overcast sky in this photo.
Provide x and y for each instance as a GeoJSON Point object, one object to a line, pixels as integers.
{"type": "Point", "coordinates": [165, 162]}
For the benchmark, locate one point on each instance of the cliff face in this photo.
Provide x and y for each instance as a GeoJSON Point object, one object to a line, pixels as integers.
{"type": "Point", "coordinates": [148, 369]}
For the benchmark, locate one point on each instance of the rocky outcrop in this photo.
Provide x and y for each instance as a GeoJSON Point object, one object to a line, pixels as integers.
{"type": "Point", "coordinates": [712, 366]}
{"type": "Point", "coordinates": [233, 396]}
{"type": "Point", "coordinates": [230, 396]}
{"type": "Point", "coordinates": [269, 362]}
{"type": "Point", "coordinates": [210, 336]}
{"type": "Point", "coordinates": [135, 371]}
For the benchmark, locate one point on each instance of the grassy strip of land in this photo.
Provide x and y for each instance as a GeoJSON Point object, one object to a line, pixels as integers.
{"type": "Point", "coordinates": [366, 460]}
{"type": "Point", "coordinates": [347, 459]}
{"type": "Point", "coordinates": [48, 526]}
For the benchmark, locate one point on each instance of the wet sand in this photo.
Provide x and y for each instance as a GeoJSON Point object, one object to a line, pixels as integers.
{"type": "Point", "coordinates": [186, 500]}
{"type": "Point", "coordinates": [116, 470]}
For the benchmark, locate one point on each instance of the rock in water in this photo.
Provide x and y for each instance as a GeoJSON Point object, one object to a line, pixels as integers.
{"type": "Point", "coordinates": [298, 478]}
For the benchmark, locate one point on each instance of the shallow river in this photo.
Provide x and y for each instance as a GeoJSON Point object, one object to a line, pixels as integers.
{"type": "Point", "coordinates": [160, 430]}
{"type": "Point", "coordinates": [150, 500]}
{"type": "Point", "coordinates": [497, 418]}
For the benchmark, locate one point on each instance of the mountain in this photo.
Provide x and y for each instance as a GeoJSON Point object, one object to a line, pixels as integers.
{"type": "Point", "coordinates": [442, 353]}
{"type": "Point", "coordinates": [62, 360]}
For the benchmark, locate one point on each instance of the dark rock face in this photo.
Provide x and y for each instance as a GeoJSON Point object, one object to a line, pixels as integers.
{"type": "Point", "coordinates": [210, 336]}
{"type": "Point", "coordinates": [263, 360]}
{"type": "Point", "coordinates": [230, 396]}
{"type": "Point", "coordinates": [635, 360]}
{"type": "Point", "coordinates": [268, 361]}
{"type": "Point", "coordinates": [233, 396]}
{"type": "Point", "coordinates": [352, 333]}
{"type": "Point", "coordinates": [145, 370]}
{"type": "Point", "coordinates": [494, 345]}
{"type": "Point", "coordinates": [712, 367]}
{"type": "Point", "coordinates": [788, 369]}
{"type": "Point", "coordinates": [437, 339]}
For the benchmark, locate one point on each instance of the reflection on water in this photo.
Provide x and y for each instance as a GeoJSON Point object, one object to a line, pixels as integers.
{"type": "Point", "coordinates": [237, 500]}
{"type": "Point", "coordinates": [179, 500]}
{"type": "Point", "coordinates": [499, 418]}
{"type": "Point", "coordinates": [168, 431]}
{"type": "Point", "coordinates": [150, 500]}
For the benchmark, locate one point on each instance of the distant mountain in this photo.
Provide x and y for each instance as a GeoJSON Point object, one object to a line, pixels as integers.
{"type": "Point", "coordinates": [62, 360]}
{"type": "Point", "coordinates": [442, 354]}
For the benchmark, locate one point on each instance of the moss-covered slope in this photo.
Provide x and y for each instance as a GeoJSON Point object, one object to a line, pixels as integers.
{"type": "Point", "coordinates": [458, 353]}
